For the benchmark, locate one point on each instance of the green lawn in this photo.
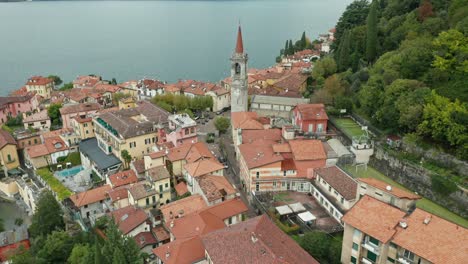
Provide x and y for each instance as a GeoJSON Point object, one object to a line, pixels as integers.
{"type": "Point", "coordinates": [348, 126]}
{"type": "Point", "coordinates": [424, 203]}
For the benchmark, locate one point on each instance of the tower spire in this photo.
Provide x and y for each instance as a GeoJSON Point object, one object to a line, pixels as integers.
{"type": "Point", "coordinates": [239, 44]}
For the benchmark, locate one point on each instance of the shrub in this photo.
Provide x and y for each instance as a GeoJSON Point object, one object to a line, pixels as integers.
{"type": "Point", "coordinates": [54, 184]}
{"type": "Point", "coordinates": [442, 185]}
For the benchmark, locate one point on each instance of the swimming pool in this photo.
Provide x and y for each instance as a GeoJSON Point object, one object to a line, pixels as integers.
{"type": "Point", "coordinates": [70, 171]}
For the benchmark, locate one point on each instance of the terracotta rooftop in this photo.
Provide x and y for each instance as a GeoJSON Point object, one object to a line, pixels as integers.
{"type": "Point", "coordinates": [249, 136]}
{"type": "Point", "coordinates": [54, 144]}
{"type": "Point", "coordinates": [37, 151]}
{"type": "Point", "coordinates": [307, 149]}
{"type": "Point", "coordinates": [128, 218]}
{"type": "Point", "coordinates": [312, 111]}
{"type": "Point", "coordinates": [136, 121]}
{"type": "Point", "coordinates": [198, 151]}
{"type": "Point", "coordinates": [257, 240]}
{"type": "Point", "coordinates": [39, 80]}
{"type": "Point", "coordinates": [141, 190]}
{"type": "Point", "coordinates": [438, 241]}
{"type": "Point", "coordinates": [181, 251]}
{"type": "Point", "coordinates": [144, 239]}
{"type": "Point", "coordinates": [187, 205]}
{"type": "Point", "coordinates": [215, 187]}
{"type": "Point", "coordinates": [158, 173]}
{"type": "Point", "coordinates": [194, 224]}
{"type": "Point", "coordinates": [203, 167]}
{"type": "Point", "coordinates": [86, 80]}
{"type": "Point", "coordinates": [227, 208]}
{"type": "Point", "coordinates": [139, 166]}
{"type": "Point", "coordinates": [339, 180]}
{"type": "Point", "coordinates": [281, 147]}
{"type": "Point", "coordinates": [400, 193]}
{"type": "Point", "coordinates": [239, 42]}
{"type": "Point", "coordinates": [259, 153]}
{"type": "Point", "coordinates": [161, 233]}
{"type": "Point", "coordinates": [91, 196]}
{"type": "Point", "coordinates": [118, 193]}
{"type": "Point", "coordinates": [6, 138]}
{"type": "Point", "coordinates": [158, 154]}
{"type": "Point", "coordinates": [123, 178]}
{"type": "Point", "coordinates": [245, 120]}
{"type": "Point", "coordinates": [375, 218]}
{"type": "Point", "coordinates": [178, 153]}
{"type": "Point", "coordinates": [181, 188]}
{"type": "Point", "coordinates": [78, 108]}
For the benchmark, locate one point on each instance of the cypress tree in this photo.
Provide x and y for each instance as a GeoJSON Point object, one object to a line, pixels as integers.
{"type": "Point", "coordinates": [286, 46]}
{"type": "Point", "coordinates": [98, 259]}
{"type": "Point", "coordinates": [291, 48]}
{"type": "Point", "coordinates": [303, 41]}
{"type": "Point", "coordinates": [371, 36]}
{"type": "Point", "coordinates": [345, 54]}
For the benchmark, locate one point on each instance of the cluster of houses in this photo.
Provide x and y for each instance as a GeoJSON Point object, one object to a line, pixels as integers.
{"type": "Point", "coordinates": [147, 170]}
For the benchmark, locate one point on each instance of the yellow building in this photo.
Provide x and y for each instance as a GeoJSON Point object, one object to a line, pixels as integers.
{"type": "Point", "coordinates": [128, 102]}
{"type": "Point", "coordinates": [8, 152]}
{"type": "Point", "coordinates": [41, 85]}
{"type": "Point", "coordinates": [83, 126]}
{"type": "Point", "coordinates": [155, 191]}
{"type": "Point", "coordinates": [135, 130]}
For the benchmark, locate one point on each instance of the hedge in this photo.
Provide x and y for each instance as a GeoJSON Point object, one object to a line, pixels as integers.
{"type": "Point", "coordinates": [56, 186]}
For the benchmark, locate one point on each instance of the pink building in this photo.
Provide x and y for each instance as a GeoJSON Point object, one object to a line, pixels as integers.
{"type": "Point", "coordinates": [12, 106]}
{"type": "Point", "coordinates": [310, 118]}
{"type": "Point", "coordinates": [183, 130]}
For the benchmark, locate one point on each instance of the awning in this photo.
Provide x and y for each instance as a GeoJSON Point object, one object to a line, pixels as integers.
{"type": "Point", "coordinates": [283, 210]}
{"type": "Point", "coordinates": [290, 208]}
{"type": "Point", "coordinates": [307, 217]}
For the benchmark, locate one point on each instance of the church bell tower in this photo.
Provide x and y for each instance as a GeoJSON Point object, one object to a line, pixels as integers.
{"type": "Point", "coordinates": [239, 95]}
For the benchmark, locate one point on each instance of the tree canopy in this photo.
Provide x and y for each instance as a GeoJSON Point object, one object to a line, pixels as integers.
{"type": "Point", "coordinates": [48, 216]}
{"type": "Point", "coordinates": [222, 123]}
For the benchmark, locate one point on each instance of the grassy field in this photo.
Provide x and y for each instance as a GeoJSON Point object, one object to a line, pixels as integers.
{"type": "Point", "coordinates": [424, 203]}
{"type": "Point", "coordinates": [348, 126]}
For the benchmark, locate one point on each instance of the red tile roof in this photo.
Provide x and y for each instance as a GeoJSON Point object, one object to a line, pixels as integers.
{"type": "Point", "coordinates": [39, 80]}
{"type": "Point", "coordinates": [245, 120]}
{"type": "Point", "coordinates": [91, 196]}
{"type": "Point", "coordinates": [273, 134]}
{"type": "Point", "coordinates": [215, 187]}
{"type": "Point", "coordinates": [6, 138]}
{"type": "Point", "coordinates": [307, 149]}
{"type": "Point", "coordinates": [438, 241]}
{"type": "Point", "coordinates": [161, 233]}
{"type": "Point", "coordinates": [312, 111]}
{"type": "Point", "coordinates": [203, 167]}
{"type": "Point", "coordinates": [400, 193]}
{"type": "Point", "coordinates": [77, 108]}
{"type": "Point", "coordinates": [144, 239]}
{"type": "Point", "coordinates": [181, 188]}
{"type": "Point", "coordinates": [128, 218]}
{"type": "Point", "coordinates": [54, 144]}
{"type": "Point", "coordinates": [123, 178]}
{"type": "Point", "coordinates": [186, 205]}
{"type": "Point", "coordinates": [239, 43]}
{"type": "Point", "coordinates": [118, 193]}
{"type": "Point", "coordinates": [257, 240]}
{"type": "Point", "coordinates": [375, 218]}
{"type": "Point", "coordinates": [228, 208]}
{"type": "Point", "coordinates": [181, 251]}
{"type": "Point", "coordinates": [339, 180]}
{"type": "Point", "coordinates": [139, 166]}
{"type": "Point", "coordinates": [259, 154]}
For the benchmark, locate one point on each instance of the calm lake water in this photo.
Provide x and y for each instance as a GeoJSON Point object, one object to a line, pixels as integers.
{"type": "Point", "coordinates": [168, 40]}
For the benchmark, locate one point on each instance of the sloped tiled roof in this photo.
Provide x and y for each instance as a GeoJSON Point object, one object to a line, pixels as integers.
{"type": "Point", "coordinates": [203, 167]}
{"type": "Point", "coordinates": [375, 218]}
{"type": "Point", "coordinates": [400, 193]}
{"type": "Point", "coordinates": [123, 178]}
{"type": "Point", "coordinates": [128, 218]}
{"type": "Point", "coordinates": [91, 196]}
{"type": "Point", "coordinates": [215, 187]}
{"type": "Point", "coordinates": [339, 180]}
{"type": "Point", "coordinates": [6, 138]}
{"type": "Point", "coordinates": [257, 240]}
{"type": "Point", "coordinates": [307, 149]}
{"type": "Point", "coordinates": [312, 111]}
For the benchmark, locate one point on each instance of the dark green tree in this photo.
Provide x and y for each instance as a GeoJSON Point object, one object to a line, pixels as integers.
{"type": "Point", "coordinates": [344, 59]}
{"type": "Point", "coordinates": [126, 245]}
{"type": "Point", "coordinates": [290, 48]}
{"type": "Point", "coordinates": [98, 258]}
{"type": "Point", "coordinates": [48, 216]}
{"type": "Point", "coordinates": [57, 248]}
{"type": "Point", "coordinates": [114, 81]}
{"type": "Point", "coordinates": [81, 254]}
{"type": "Point", "coordinates": [126, 157]}
{"type": "Point", "coordinates": [222, 124]}
{"type": "Point", "coordinates": [66, 86]}
{"type": "Point", "coordinates": [57, 80]}
{"type": "Point", "coordinates": [54, 113]}
{"type": "Point", "coordinates": [286, 48]}
{"type": "Point", "coordinates": [371, 36]}
{"type": "Point", "coordinates": [354, 15]}
{"type": "Point", "coordinates": [2, 226]}
{"type": "Point", "coordinates": [303, 41]}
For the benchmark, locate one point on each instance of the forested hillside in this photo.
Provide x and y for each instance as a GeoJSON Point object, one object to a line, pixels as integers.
{"type": "Point", "coordinates": [402, 64]}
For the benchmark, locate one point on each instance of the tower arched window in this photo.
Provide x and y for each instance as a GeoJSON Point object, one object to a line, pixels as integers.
{"type": "Point", "coordinates": [237, 68]}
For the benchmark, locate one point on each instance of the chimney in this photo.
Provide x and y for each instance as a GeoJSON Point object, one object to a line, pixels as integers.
{"type": "Point", "coordinates": [253, 237]}
{"type": "Point", "coordinates": [427, 220]}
